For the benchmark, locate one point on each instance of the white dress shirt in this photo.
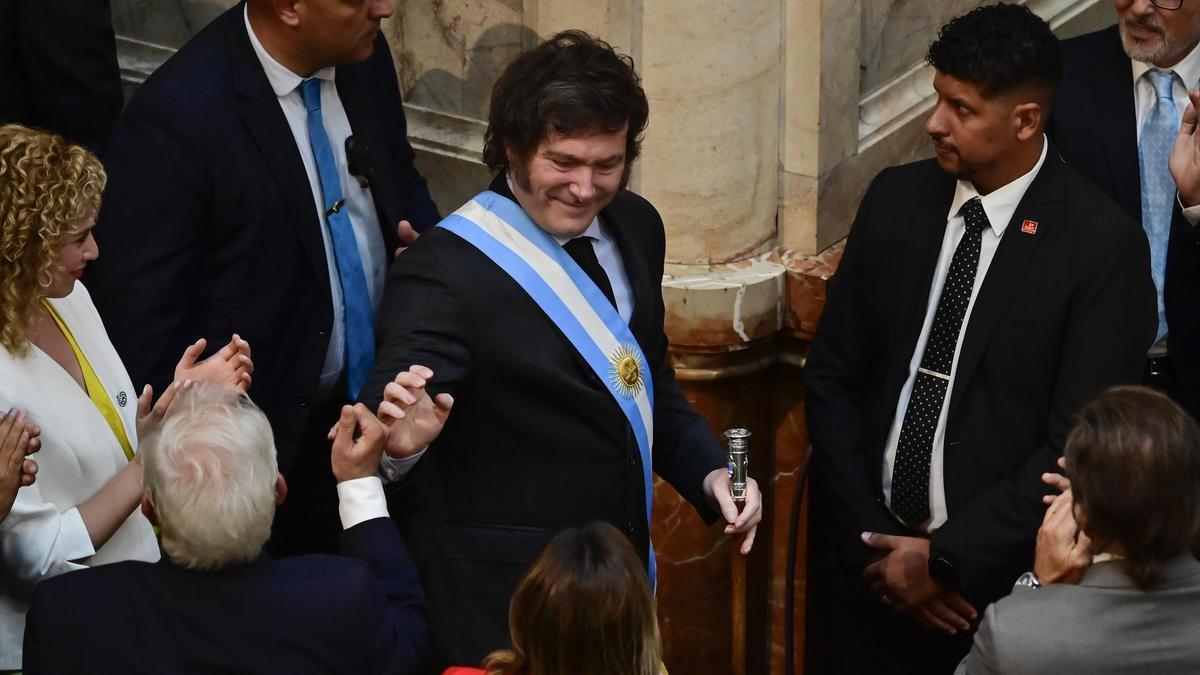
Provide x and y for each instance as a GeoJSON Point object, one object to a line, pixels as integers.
{"type": "Point", "coordinates": [361, 207]}
{"type": "Point", "coordinates": [999, 205]}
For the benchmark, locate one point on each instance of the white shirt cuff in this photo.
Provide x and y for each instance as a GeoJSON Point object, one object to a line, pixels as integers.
{"type": "Point", "coordinates": [392, 469]}
{"type": "Point", "coordinates": [1190, 213]}
{"type": "Point", "coordinates": [360, 500]}
{"type": "Point", "coordinates": [73, 536]}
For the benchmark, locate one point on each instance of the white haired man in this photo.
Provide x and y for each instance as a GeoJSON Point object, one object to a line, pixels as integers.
{"type": "Point", "coordinates": [216, 602]}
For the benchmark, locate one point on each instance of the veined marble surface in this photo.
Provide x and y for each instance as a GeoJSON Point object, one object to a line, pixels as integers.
{"type": "Point", "coordinates": [169, 23]}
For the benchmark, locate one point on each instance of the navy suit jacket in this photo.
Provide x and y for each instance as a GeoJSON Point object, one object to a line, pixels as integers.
{"type": "Point", "coordinates": [307, 614]}
{"type": "Point", "coordinates": [208, 225]}
{"type": "Point", "coordinates": [1094, 125]}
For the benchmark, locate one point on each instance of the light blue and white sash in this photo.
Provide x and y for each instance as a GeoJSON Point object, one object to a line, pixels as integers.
{"type": "Point", "coordinates": [504, 232]}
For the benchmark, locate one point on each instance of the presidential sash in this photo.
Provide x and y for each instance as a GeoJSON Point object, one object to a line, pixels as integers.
{"type": "Point", "coordinates": [502, 231]}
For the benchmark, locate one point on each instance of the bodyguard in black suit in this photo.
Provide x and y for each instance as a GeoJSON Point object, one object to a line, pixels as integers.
{"type": "Point", "coordinates": [216, 602]}
{"type": "Point", "coordinates": [982, 298]}
{"type": "Point", "coordinates": [58, 68]}
{"type": "Point", "coordinates": [215, 220]}
{"type": "Point", "coordinates": [1099, 124]}
{"type": "Point", "coordinates": [539, 441]}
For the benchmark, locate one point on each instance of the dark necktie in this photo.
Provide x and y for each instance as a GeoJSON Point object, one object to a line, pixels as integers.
{"type": "Point", "coordinates": [910, 473]}
{"type": "Point", "coordinates": [581, 251]}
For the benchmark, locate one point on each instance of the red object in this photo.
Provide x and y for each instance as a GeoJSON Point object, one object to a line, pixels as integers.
{"type": "Point", "coordinates": [1029, 227]}
{"type": "Point", "coordinates": [460, 670]}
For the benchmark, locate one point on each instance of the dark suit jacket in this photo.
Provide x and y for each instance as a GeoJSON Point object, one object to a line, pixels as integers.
{"type": "Point", "coordinates": [307, 614]}
{"type": "Point", "coordinates": [535, 443]}
{"type": "Point", "coordinates": [58, 68]}
{"type": "Point", "coordinates": [208, 225]}
{"type": "Point", "coordinates": [1094, 125]}
{"type": "Point", "coordinates": [1061, 315]}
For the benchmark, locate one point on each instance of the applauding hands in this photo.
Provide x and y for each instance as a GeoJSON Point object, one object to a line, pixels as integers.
{"type": "Point", "coordinates": [231, 365]}
{"type": "Point", "coordinates": [18, 440]}
{"type": "Point", "coordinates": [413, 419]}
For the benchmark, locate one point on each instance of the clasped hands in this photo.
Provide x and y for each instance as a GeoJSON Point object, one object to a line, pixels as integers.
{"type": "Point", "coordinates": [898, 574]}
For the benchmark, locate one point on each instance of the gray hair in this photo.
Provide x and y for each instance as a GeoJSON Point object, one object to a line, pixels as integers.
{"type": "Point", "coordinates": [210, 472]}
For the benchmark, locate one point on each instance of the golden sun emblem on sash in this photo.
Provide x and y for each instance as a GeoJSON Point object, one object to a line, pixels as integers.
{"type": "Point", "coordinates": [625, 371]}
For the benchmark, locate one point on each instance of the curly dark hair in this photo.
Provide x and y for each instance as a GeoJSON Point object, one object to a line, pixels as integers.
{"type": "Point", "coordinates": [572, 82]}
{"type": "Point", "coordinates": [1000, 48]}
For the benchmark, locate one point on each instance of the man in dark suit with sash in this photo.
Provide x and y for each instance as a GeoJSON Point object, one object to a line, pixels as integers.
{"type": "Point", "coordinates": [538, 307]}
{"type": "Point", "coordinates": [983, 297]}
{"type": "Point", "coordinates": [256, 184]}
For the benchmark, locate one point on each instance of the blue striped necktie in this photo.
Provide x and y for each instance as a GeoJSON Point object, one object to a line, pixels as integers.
{"type": "Point", "coordinates": [1158, 188]}
{"type": "Point", "coordinates": [358, 316]}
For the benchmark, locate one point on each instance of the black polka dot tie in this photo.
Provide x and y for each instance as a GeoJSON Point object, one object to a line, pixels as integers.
{"type": "Point", "coordinates": [910, 473]}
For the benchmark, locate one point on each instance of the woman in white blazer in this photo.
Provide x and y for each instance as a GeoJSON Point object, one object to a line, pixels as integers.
{"type": "Point", "coordinates": [58, 367]}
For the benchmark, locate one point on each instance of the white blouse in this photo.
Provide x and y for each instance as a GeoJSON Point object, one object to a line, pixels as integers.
{"type": "Point", "coordinates": [44, 534]}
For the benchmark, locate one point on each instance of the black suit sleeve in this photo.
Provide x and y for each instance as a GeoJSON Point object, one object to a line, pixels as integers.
{"type": "Point", "coordinates": [63, 68]}
{"type": "Point", "coordinates": [421, 321]}
{"type": "Point", "coordinates": [151, 235]}
{"type": "Point", "coordinates": [396, 617]}
{"type": "Point", "coordinates": [839, 370]}
{"type": "Point", "coordinates": [1111, 325]}
{"type": "Point", "coordinates": [31, 652]}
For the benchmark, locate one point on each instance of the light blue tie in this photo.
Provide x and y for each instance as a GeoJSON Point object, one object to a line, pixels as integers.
{"type": "Point", "coordinates": [1158, 188]}
{"type": "Point", "coordinates": [358, 316]}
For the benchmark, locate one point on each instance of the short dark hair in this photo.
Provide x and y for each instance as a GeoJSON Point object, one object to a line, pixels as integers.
{"type": "Point", "coordinates": [999, 48]}
{"type": "Point", "coordinates": [1134, 463]}
{"type": "Point", "coordinates": [570, 83]}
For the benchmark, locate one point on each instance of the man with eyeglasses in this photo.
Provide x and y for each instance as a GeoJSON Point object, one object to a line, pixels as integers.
{"type": "Point", "coordinates": [1121, 118]}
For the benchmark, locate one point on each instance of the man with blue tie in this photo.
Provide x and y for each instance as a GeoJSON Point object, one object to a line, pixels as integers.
{"type": "Point", "coordinates": [262, 178]}
{"type": "Point", "coordinates": [1116, 119]}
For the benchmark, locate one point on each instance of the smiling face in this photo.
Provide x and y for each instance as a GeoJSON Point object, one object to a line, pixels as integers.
{"type": "Point", "coordinates": [78, 248]}
{"type": "Point", "coordinates": [568, 179]}
{"type": "Point", "coordinates": [1158, 36]}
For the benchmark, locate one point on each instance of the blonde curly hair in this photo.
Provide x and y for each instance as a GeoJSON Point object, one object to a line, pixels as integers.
{"type": "Point", "coordinates": [47, 185]}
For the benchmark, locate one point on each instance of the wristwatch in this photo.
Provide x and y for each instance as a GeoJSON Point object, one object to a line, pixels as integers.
{"type": "Point", "coordinates": [1028, 580]}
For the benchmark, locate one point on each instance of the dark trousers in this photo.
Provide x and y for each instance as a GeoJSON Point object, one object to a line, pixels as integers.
{"type": "Point", "coordinates": [308, 521]}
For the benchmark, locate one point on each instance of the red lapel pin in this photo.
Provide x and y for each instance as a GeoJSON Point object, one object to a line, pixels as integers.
{"type": "Point", "coordinates": [1029, 227]}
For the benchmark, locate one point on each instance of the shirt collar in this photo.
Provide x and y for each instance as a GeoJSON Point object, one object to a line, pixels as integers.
{"type": "Point", "coordinates": [283, 81]}
{"type": "Point", "coordinates": [999, 204]}
{"type": "Point", "coordinates": [1188, 69]}
{"type": "Point", "coordinates": [592, 230]}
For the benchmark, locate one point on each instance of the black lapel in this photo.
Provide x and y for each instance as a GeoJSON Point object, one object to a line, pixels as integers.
{"type": "Point", "coordinates": [1039, 204]}
{"type": "Point", "coordinates": [924, 228]}
{"type": "Point", "coordinates": [353, 85]}
{"type": "Point", "coordinates": [1114, 105]}
{"type": "Point", "coordinates": [259, 108]}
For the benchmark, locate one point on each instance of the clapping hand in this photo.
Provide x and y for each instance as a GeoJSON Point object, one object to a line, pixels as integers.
{"type": "Point", "coordinates": [18, 440]}
{"type": "Point", "coordinates": [231, 365]}
{"type": "Point", "coordinates": [150, 416]}
{"type": "Point", "coordinates": [413, 419]}
{"type": "Point", "coordinates": [1185, 155]}
{"type": "Point", "coordinates": [358, 439]}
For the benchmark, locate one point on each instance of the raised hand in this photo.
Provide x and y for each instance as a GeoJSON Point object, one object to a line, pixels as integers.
{"type": "Point", "coordinates": [358, 439]}
{"type": "Point", "coordinates": [231, 365]}
{"type": "Point", "coordinates": [413, 419]}
{"type": "Point", "coordinates": [18, 440]}
{"type": "Point", "coordinates": [149, 417]}
{"type": "Point", "coordinates": [1185, 155]}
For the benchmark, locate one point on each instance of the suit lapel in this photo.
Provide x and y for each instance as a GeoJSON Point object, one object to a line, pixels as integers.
{"type": "Point", "coordinates": [259, 108]}
{"type": "Point", "coordinates": [1113, 103]}
{"type": "Point", "coordinates": [1016, 248]}
{"type": "Point", "coordinates": [355, 93]}
{"type": "Point", "coordinates": [925, 229]}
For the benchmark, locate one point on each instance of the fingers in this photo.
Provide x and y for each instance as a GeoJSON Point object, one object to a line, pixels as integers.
{"type": "Point", "coordinates": [748, 542]}
{"type": "Point", "coordinates": [191, 354]}
{"type": "Point", "coordinates": [940, 617]}
{"type": "Point", "coordinates": [751, 511]}
{"type": "Point", "coordinates": [407, 234]}
{"type": "Point", "coordinates": [390, 412]}
{"type": "Point", "coordinates": [873, 573]}
{"type": "Point", "coordinates": [29, 469]}
{"type": "Point", "coordinates": [960, 605]}
{"type": "Point", "coordinates": [879, 542]}
{"type": "Point", "coordinates": [367, 423]}
{"type": "Point", "coordinates": [724, 501]}
{"type": "Point", "coordinates": [444, 402]}
{"type": "Point", "coordinates": [12, 423]}
{"type": "Point", "coordinates": [344, 430]}
{"type": "Point", "coordinates": [159, 411]}
{"type": "Point", "coordinates": [143, 401]}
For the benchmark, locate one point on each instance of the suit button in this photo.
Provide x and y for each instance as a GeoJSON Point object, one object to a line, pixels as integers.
{"type": "Point", "coordinates": [302, 401]}
{"type": "Point", "coordinates": [323, 333]}
{"type": "Point", "coordinates": [629, 526]}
